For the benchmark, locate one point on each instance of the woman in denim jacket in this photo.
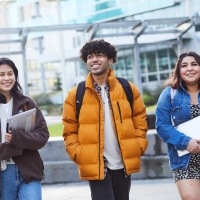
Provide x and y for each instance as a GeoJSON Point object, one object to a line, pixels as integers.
{"type": "Point", "coordinates": [185, 81]}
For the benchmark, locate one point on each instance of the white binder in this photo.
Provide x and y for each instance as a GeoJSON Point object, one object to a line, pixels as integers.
{"type": "Point", "coordinates": [190, 128]}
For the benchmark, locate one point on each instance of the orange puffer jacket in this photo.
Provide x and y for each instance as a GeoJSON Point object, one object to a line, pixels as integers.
{"type": "Point", "coordinates": [84, 139]}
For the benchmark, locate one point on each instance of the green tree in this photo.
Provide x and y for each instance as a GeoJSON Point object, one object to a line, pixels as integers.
{"type": "Point", "coordinates": [58, 84]}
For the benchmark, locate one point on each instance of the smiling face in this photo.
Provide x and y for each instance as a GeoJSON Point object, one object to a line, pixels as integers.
{"type": "Point", "coordinates": [7, 79]}
{"type": "Point", "coordinates": [190, 71]}
{"type": "Point", "coordinates": [98, 64]}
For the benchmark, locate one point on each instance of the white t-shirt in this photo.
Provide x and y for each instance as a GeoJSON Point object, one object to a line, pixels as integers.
{"type": "Point", "coordinates": [111, 147]}
{"type": "Point", "coordinates": [5, 112]}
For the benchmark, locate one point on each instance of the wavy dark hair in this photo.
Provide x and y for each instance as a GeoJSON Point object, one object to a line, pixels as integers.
{"type": "Point", "coordinates": [175, 79]}
{"type": "Point", "coordinates": [16, 90]}
{"type": "Point", "coordinates": [98, 46]}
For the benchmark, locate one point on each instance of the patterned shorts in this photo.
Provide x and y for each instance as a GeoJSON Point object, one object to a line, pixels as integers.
{"type": "Point", "coordinates": [192, 171]}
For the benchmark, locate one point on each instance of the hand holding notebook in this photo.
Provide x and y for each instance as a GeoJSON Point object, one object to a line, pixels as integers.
{"type": "Point", "coordinates": [23, 121]}
{"type": "Point", "coordinates": [190, 128]}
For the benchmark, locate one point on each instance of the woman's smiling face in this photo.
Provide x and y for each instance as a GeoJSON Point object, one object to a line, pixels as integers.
{"type": "Point", "coordinates": [190, 71]}
{"type": "Point", "coordinates": [7, 79]}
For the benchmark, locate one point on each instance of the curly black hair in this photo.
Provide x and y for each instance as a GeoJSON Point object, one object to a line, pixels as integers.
{"type": "Point", "coordinates": [98, 46]}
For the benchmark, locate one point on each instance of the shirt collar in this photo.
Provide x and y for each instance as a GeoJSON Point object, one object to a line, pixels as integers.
{"type": "Point", "coordinates": [98, 88]}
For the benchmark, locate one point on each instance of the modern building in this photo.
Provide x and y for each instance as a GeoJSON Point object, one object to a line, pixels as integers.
{"type": "Point", "coordinates": [148, 35]}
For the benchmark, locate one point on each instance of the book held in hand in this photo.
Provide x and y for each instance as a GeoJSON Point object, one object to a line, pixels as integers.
{"type": "Point", "coordinates": [190, 128]}
{"type": "Point", "coordinates": [24, 121]}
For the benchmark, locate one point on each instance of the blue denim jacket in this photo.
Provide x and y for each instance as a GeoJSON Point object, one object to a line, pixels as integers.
{"type": "Point", "coordinates": [179, 110]}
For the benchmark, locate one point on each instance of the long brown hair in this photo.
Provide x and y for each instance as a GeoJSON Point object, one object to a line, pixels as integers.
{"type": "Point", "coordinates": [175, 79]}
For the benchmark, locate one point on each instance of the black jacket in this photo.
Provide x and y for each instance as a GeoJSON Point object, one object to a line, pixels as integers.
{"type": "Point", "coordinates": [23, 147]}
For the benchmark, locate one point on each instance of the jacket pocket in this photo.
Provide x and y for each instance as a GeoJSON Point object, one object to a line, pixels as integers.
{"type": "Point", "coordinates": [176, 114]}
{"type": "Point", "coordinates": [120, 115]}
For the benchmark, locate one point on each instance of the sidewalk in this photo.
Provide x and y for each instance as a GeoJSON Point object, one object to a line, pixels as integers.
{"type": "Point", "coordinates": [149, 189]}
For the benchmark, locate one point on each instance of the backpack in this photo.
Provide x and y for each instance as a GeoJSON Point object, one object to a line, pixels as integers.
{"type": "Point", "coordinates": [81, 90]}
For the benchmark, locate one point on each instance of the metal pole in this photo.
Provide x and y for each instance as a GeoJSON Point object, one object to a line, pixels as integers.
{"type": "Point", "coordinates": [180, 44]}
{"type": "Point", "coordinates": [24, 38]}
{"type": "Point", "coordinates": [43, 78]}
{"type": "Point", "coordinates": [137, 58]}
{"type": "Point", "coordinates": [137, 75]}
{"type": "Point", "coordinates": [42, 70]}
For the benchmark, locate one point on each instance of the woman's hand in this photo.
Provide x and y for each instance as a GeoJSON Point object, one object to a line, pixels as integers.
{"type": "Point", "coordinates": [8, 137]}
{"type": "Point", "coordinates": [193, 146]}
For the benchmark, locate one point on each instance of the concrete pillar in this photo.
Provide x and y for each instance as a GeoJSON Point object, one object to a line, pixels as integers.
{"type": "Point", "coordinates": [180, 45]}
{"type": "Point", "coordinates": [24, 38]}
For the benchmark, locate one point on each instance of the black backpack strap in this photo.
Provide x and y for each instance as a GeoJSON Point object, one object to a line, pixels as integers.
{"type": "Point", "coordinates": [79, 97]}
{"type": "Point", "coordinates": [127, 89]}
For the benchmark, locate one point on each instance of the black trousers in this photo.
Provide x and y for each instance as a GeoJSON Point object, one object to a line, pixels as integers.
{"type": "Point", "coordinates": [115, 186]}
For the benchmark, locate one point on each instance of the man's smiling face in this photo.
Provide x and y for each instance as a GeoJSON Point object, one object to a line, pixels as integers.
{"type": "Point", "coordinates": [98, 64]}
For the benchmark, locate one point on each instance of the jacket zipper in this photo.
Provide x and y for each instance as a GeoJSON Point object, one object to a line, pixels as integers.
{"type": "Point", "coordinates": [99, 131]}
{"type": "Point", "coordinates": [99, 143]}
{"type": "Point", "coordinates": [118, 106]}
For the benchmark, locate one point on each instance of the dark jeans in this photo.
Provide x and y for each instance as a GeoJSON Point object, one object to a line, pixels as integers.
{"type": "Point", "coordinates": [115, 186]}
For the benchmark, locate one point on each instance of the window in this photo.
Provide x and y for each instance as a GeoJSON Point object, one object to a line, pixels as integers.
{"type": "Point", "coordinates": [49, 66]}
{"type": "Point", "coordinates": [173, 58]}
{"type": "Point", "coordinates": [151, 61]}
{"type": "Point", "coordinates": [163, 60]}
{"type": "Point", "coordinates": [32, 65]}
{"type": "Point", "coordinates": [164, 76]}
{"type": "Point", "coordinates": [144, 79]}
{"type": "Point", "coordinates": [51, 82]}
{"type": "Point", "coordinates": [34, 84]}
{"type": "Point", "coordinates": [119, 67]}
{"type": "Point", "coordinates": [142, 63]}
{"type": "Point", "coordinates": [153, 78]}
{"type": "Point", "coordinates": [129, 66]}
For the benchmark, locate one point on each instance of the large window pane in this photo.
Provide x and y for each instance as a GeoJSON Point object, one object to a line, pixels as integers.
{"type": "Point", "coordinates": [153, 78]}
{"type": "Point", "coordinates": [163, 60]}
{"type": "Point", "coordinates": [164, 76]}
{"type": "Point", "coordinates": [119, 67]}
{"type": "Point", "coordinates": [144, 79]}
{"type": "Point", "coordinates": [151, 61]}
{"type": "Point", "coordinates": [142, 63]}
{"type": "Point", "coordinates": [173, 58]}
{"type": "Point", "coordinates": [129, 66]}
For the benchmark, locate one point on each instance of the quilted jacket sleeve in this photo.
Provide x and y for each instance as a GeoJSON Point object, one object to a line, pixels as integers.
{"type": "Point", "coordinates": [70, 125]}
{"type": "Point", "coordinates": [139, 118]}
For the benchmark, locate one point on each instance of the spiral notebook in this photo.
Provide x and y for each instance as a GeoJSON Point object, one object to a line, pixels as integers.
{"type": "Point", "coordinates": [190, 128]}
{"type": "Point", "coordinates": [23, 121]}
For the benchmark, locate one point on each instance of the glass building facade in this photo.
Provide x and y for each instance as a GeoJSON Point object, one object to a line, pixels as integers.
{"type": "Point", "coordinates": [156, 63]}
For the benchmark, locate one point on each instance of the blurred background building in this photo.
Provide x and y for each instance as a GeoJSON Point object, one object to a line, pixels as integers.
{"type": "Point", "coordinates": [44, 37]}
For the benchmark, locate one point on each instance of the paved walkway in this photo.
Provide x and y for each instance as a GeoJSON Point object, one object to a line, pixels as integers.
{"type": "Point", "coordinates": [156, 189]}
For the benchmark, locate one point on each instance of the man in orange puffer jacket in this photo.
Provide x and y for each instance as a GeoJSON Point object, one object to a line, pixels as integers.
{"type": "Point", "coordinates": [108, 138]}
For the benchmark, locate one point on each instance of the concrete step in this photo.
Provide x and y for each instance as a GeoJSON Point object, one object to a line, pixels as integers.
{"type": "Point", "coordinates": [67, 171]}
{"type": "Point", "coordinates": [59, 168]}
